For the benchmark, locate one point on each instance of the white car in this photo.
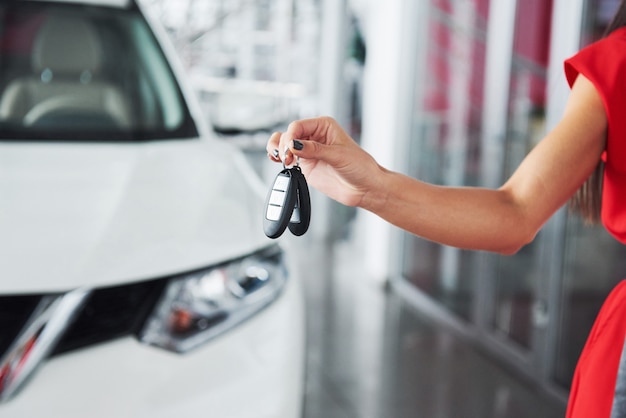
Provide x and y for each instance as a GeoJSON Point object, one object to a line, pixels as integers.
{"type": "Point", "coordinates": [135, 278]}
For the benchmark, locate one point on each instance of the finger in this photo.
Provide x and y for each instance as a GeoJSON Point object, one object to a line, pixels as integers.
{"type": "Point", "coordinates": [286, 155]}
{"type": "Point", "coordinates": [314, 129]}
{"type": "Point", "coordinates": [272, 147]}
{"type": "Point", "coordinates": [317, 129]}
{"type": "Point", "coordinates": [335, 155]}
{"type": "Point", "coordinates": [311, 150]}
{"type": "Point", "coordinates": [274, 156]}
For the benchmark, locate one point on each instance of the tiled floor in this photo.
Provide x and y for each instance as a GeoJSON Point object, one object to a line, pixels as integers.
{"type": "Point", "coordinates": [370, 355]}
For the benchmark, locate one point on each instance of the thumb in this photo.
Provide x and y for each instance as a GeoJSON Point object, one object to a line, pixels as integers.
{"type": "Point", "coordinates": [310, 150]}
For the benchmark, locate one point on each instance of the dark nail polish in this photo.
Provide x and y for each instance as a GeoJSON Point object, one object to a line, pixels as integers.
{"type": "Point", "coordinates": [275, 153]}
{"type": "Point", "coordinates": [298, 145]}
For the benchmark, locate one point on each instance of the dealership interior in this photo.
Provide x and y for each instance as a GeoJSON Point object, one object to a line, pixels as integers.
{"type": "Point", "coordinates": [453, 92]}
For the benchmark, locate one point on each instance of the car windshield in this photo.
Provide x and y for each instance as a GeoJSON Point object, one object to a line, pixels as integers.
{"type": "Point", "coordinates": [77, 73]}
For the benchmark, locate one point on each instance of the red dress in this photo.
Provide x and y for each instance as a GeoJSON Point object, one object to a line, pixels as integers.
{"type": "Point", "coordinates": [599, 386]}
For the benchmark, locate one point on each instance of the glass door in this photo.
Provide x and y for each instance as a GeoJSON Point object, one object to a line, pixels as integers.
{"type": "Point", "coordinates": [482, 103]}
{"type": "Point", "coordinates": [519, 307]}
{"type": "Point", "coordinates": [455, 107]}
{"type": "Point", "coordinates": [445, 145]}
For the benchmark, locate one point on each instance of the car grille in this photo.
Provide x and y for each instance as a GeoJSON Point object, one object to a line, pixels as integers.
{"type": "Point", "coordinates": [14, 313]}
{"type": "Point", "coordinates": [107, 314]}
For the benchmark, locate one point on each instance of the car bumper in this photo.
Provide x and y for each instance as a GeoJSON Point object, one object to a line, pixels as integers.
{"type": "Point", "coordinates": [253, 371]}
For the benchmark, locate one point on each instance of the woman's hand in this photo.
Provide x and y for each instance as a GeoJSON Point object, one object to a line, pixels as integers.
{"type": "Point", "coordinates": [330, 159]}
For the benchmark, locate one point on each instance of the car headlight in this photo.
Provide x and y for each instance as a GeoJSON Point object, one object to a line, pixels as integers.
{"type": "Point", "coordinates": [198, 306]}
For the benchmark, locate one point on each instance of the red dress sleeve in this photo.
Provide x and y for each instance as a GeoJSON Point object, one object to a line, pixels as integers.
{"type": "Point", "coordinates": [604, 64]}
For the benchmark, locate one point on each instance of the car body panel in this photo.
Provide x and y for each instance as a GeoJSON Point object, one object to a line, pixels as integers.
{"type": "Point", "coordinates": [88, 215]}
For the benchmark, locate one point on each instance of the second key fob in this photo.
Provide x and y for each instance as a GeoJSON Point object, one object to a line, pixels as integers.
{"type": "Point", "coordinates": [301, 217]}
{"type": "Point", "coordinates": [279, 204]}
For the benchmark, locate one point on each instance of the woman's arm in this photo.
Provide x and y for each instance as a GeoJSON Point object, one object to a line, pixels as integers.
{"type": "Point", "coordinates": [501, 220]}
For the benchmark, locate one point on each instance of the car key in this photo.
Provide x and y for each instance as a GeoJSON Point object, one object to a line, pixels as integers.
{"type": "Point", "coordinates": [279, 204]}
{"type": "Point", "coordinates": [301, 217]}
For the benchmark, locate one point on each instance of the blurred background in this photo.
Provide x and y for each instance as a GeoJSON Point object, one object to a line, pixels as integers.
{"type": "Point", "coordinates": [454, 92]}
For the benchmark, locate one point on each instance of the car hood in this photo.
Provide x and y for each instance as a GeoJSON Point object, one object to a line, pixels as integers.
{"type": "Point", "coordinates": [86, 215]}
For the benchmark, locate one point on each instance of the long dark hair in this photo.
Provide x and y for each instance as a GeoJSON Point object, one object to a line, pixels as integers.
{"type": "Point", "coordinates": [619, 19]}
{"type": "Point", "coordinates": [587, 201]}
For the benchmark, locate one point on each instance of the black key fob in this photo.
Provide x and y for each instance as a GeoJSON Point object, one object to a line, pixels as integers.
{"type": "Point", "coordinates": [279, 204]}
{"type": "Point", "coordinates": [301, 217]}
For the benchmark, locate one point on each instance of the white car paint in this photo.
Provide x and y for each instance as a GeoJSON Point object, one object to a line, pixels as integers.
{"type": "Point", "coordinates": [69, 218]}
{"type": "Point", "coordinates": [100, 214]}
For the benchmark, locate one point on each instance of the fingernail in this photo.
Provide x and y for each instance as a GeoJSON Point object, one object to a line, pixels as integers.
{"type": "Point", "coordinates": [298, 145]}
{"type": "Point", "coordinates": [275, 152]}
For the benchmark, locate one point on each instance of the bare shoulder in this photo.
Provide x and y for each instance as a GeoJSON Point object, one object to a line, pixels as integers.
{"type": "Point", "coordinates": [586, 98]}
